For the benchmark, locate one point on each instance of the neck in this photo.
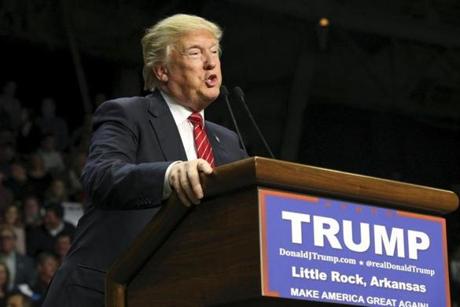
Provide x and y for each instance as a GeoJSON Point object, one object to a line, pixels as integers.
{"type": "Point", "coordinates": [54, 227]}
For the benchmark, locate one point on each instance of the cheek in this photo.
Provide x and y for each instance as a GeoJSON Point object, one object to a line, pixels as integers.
{"type": "Point", "coordinates": [191, 70]}
{"type": "Point", "coordinates": [184, 76]}
{"type": "Point", "coordinates": [195, 75]}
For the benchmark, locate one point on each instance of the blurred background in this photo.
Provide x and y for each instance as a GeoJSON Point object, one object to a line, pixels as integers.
{"type": "Point", "coordinates": [370, 87]}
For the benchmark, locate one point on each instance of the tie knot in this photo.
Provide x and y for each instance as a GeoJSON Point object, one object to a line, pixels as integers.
{"type": "Point", "coordinates": [196, 119]}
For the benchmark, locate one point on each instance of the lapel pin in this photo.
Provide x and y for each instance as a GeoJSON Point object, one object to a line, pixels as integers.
{"type": "Point", "coordinates": [217, 139]}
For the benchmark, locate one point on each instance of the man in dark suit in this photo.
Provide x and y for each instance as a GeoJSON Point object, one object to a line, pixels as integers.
{"type": "Point", "coordinates": [43, 238]}
{"type": "Point", "coordinates": [21, 268]}
{"type": "Point", "coordinates": [144, 147]}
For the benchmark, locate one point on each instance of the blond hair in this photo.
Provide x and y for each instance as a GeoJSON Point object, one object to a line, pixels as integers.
{"type": "Point", "coordinates": [160, 37]}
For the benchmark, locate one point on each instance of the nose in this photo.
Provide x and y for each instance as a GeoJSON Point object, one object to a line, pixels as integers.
{"type": "Point", "coordinates": [210, 60]}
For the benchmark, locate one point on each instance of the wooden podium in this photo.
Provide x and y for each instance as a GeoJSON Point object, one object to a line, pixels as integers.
{"type": "Point", "coordinates": [208, 255]}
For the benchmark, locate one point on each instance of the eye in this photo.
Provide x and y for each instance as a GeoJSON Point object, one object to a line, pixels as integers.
{"type": "Point", "coordinates": [214, 50]}
{"type": "Point", "coordinates": [194, 52]}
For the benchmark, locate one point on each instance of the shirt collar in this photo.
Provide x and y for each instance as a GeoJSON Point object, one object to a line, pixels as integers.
{"type": "Point", "coordinates": [54, 232]}
{"type": "Point", "coordinates": [179, 112]}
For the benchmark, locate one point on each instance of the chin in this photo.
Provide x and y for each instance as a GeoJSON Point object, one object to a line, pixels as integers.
{"type": "Point", "coordinates": [203, 102]}
{"type": "Point", "coordinates": [211, 93]}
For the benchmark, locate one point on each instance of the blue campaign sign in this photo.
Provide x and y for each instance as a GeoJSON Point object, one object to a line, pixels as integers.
{"type": "Point", "coordinates": [321, 249]}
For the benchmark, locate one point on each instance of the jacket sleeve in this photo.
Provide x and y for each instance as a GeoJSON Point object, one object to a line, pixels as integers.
{"type": "Point", "coordinates": [111, 177]}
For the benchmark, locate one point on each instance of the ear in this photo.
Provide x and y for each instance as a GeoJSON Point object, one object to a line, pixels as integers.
{"type": "Point", "coordinates": [161, 72]}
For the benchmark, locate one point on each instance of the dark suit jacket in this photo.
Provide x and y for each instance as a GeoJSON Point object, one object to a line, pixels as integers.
{"type": "Point", "coordinates": [134, 141]}
{"type": "Point", "coordinates": [25, 270]}
{"type": "Point", "coordinates": [40, 240]}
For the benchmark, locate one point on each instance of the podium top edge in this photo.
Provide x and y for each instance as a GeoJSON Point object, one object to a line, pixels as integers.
{"type": "Point", "coordinates": [311, 179]}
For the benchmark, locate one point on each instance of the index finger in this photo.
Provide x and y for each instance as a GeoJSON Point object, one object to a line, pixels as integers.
{"type": "Point", "coordinates": [204, 166]}
{"type": "Point", "coordinates": [194, 180]}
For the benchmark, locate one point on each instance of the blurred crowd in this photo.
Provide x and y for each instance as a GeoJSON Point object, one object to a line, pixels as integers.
{"type": "Point", "coordinates": [40, 194]}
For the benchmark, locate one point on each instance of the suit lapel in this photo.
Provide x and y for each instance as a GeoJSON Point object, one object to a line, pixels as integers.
{"type": "Point", "coordinates": [165, 129]}
{"type": "Point", "coordinates": [217, 148]}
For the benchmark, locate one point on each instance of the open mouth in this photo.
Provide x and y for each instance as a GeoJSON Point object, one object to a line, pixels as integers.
{"type": "Point", "coordinates": [211, 80]}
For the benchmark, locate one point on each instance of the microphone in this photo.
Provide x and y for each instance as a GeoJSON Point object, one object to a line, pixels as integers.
{"type": "Point", "coordinates": [239, 93]}
{"type": "Point", "coordinates": [224, 92]}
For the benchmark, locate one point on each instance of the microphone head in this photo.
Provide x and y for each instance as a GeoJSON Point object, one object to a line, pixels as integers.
{"type": "Point", "coordinates": [223, 90]}
{"type": "Point", "coordinates": [238, 92]}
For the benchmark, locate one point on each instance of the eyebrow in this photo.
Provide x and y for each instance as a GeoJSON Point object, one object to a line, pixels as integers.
{"type": "Point", "coordinates": [200, 47]}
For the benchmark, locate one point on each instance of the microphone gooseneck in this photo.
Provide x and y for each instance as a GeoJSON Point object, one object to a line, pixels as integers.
{"type": "Point", "coordinates": [239, 93]}
{"type": "Point", "coordinates": [224, 92]}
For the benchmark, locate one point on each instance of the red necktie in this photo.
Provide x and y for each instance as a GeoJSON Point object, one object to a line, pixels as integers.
{"type": "Point", "coordinates": [202, 145]}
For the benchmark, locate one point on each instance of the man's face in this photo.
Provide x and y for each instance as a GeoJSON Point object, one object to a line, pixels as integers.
{"type": "Point", "coordinates": [51, 220]}
{"type": "Point", "coordinates": [62, 245]}
{"type": "Point", "coordinates": [31, 206]}
{"type": "Point", "coordinates": [192, 73]}
{"type": "Point", "coordinates": [47, 268]}
{"type": "Point", "coordinates": [18, 172]}
{"type": "Point", "coordinates": [7, 242]}
{"type": "Point", "coordinates": [11, 215]}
